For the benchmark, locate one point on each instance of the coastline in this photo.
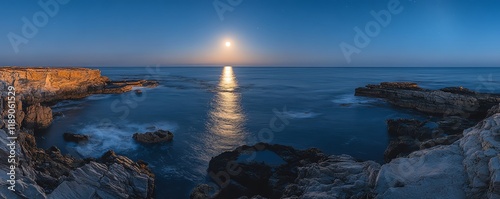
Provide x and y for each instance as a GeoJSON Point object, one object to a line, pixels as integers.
{"type": "Point", "coordinates": [391, 180]}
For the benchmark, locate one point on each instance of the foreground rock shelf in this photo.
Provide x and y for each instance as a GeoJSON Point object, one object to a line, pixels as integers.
{"type": "Point", "coordinates": [48, 173]}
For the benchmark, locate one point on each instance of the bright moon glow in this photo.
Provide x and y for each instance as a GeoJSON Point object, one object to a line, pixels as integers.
{"type": "Point", "coordinates": [228, 44]}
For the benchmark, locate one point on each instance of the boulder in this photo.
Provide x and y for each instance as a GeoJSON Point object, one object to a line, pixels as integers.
{"type": "Point", "coordinates": [71, 137]}
{"type": "Point", "coordinates": [454, 101]}
{"type": "Point", "coordinates": [154, 137]}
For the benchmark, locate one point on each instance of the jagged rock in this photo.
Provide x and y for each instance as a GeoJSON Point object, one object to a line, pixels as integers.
{"type": "Point", "coordinates": [336, 177]}
{"type": "Point", "coordinates": [71, 137]}
{"type": "Point", "coordinates": [448, 101]}
{"type": "Point", "coordinates": [494, 110]}
{"type": "Point", "coordinates": [251, 177]}
{"type": "Point", "coordinates": [154, 137]}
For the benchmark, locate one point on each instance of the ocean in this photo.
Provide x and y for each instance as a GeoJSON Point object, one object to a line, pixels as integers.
{"type": "Point", "coordinates": [214, 109]}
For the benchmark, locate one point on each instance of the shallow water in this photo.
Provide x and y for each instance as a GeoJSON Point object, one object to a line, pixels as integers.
{"type": "Point", "coordinates": [214, 109]}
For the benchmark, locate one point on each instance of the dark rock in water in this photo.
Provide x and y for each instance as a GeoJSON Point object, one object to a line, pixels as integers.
{"type": "Point", "coordinates": [452, 101]}
{"type": "Point", "coordinates": [71, 137]}
{"type": "Point", "coordinates": [154, 137]}
{"type": "Point", "coordinates": [138, 92]}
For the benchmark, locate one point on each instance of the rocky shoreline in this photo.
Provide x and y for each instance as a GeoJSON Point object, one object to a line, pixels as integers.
{"type": "Point", "coordinates": [455, 154]}
{"type": "Point", "coordinates": [47, 173]}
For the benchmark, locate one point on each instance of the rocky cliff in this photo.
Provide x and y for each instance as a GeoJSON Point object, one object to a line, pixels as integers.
{"type": "Point", "coordinates": [468, 168]}
{"type": "Point", "coordinates": [48, 173]}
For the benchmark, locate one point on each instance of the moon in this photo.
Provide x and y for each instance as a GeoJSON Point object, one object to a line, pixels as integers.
{"type": "Point", "coordinates": [228, 44]}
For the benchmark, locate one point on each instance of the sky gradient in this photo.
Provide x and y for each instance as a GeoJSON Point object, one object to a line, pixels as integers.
{"type": "Point", "coordinates": [263, 33]}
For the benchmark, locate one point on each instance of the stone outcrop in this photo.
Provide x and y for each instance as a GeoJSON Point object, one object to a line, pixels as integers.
{"type": "Point", "coordinates": [154, 137]}
{"type": "Point", "coordinates": [71, 137]}
{"type": "Point", "coordinates": [452, 101]}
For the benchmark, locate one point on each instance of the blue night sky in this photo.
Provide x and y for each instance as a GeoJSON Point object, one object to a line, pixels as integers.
{"type": "Point", "coordinates": [262, 33]}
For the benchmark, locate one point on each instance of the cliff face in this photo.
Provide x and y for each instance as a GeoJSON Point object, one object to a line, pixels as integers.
{"type": "Point", "coordinates": [45, 84]}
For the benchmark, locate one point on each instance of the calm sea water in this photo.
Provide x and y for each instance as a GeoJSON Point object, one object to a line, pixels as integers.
{"type": "Point", "coordinates": [213, 109]}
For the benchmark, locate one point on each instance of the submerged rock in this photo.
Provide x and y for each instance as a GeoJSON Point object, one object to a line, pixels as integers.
{"type": "Point", "coordinates": [154, 137]}
{"type": "Point", "coordinates": [71, 137]}
{"type": "Point", "coordinates": [466, 168]}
